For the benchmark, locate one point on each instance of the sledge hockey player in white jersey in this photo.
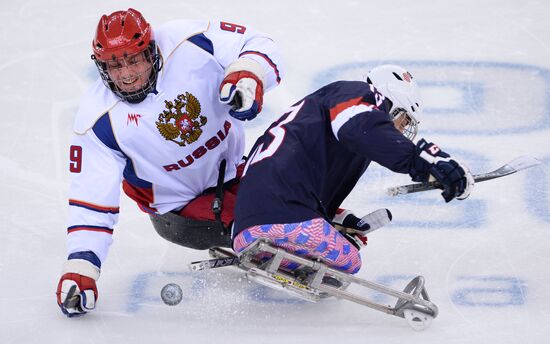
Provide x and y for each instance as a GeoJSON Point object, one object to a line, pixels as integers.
{"type": "Point", "coordinates": [163, 121]}
{"type": "Point", "coordinates": [309, 160]}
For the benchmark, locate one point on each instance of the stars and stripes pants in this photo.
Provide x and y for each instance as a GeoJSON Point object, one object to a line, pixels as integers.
{"type": "Point", "coordinates": [315, 238]}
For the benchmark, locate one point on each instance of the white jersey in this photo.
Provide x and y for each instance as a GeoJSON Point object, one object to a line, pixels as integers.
{"type": "Point", "coordinates": [165, 150]}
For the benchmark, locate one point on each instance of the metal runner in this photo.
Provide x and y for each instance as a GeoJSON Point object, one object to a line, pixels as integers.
{"type": "Point", "coordinates": [314, 280]}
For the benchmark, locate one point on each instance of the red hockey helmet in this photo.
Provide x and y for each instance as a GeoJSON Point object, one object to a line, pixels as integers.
{"type": "Point", "coordinates": [120, 34]}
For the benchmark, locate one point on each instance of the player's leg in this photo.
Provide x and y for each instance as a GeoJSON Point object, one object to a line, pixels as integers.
{"type": "Point", "coordinates": [315, 238]}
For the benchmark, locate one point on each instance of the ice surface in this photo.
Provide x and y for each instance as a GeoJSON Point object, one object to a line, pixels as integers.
{"type": "Point", "coordinates": [485, 68]}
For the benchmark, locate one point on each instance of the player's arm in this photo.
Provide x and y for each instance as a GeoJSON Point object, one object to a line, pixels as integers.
{"type": "Point", "coordinates": [252, 63]}
{"type": "Point", "coordinates": [366, 130]}
{"type": "Point", "coordinates": [94, 194]}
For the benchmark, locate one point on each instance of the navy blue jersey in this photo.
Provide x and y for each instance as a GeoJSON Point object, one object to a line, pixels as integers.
{"type": "Point", "coordinates": [309, 160]}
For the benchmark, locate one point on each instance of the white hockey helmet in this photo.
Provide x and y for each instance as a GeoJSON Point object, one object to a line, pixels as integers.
{"type": "Point", "coordinates": [397, 84]}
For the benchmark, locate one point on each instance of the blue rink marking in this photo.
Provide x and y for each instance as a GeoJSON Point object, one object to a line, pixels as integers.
{"type": "Point", "coordinates": [490, 291]}
{"type": "Point", "coordinates": [468, 90]}
{"type": "Point", "coordinates": [537, 188]}
{"type": "Point", "coordinates": [472, 96]}
{"type": "Point", "coordinates": [472, 214]}
{"type": "Point", "coordinates": [468, 291]}
{"type": "Point", "coordinates": [146, 287]}
{"type": "Point", "coordinates": [140, 291]}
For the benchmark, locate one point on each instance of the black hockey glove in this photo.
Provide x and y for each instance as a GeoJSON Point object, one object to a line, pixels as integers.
{"type": "Point", "coordinates": [348, 222]}
{"type": "Point", "coordinates": [454, 177]}
{"type": "Point", "coordinates": [355, 229]}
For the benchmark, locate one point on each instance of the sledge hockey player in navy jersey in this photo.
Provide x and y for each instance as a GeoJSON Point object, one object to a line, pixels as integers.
{"type": "Point", "coordinates": [164, 120]}
{"type": "Point", "coordinates": [309, 160]}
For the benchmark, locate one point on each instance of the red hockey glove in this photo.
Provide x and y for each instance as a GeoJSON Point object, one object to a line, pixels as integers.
{"type": "Point", "coordinates": [76, 291]}
{"type": "Point", "coordinates": [243, 89]}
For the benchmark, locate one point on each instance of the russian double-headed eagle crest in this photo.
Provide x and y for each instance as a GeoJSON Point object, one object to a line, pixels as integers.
{"type": "Point", "coordinates": [181, 122]}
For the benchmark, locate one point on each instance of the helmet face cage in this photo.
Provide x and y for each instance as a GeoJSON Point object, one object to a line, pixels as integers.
{"type": "Point", "coordinates": [152, 56]}
{"type": "Point", "coordinates": [408, 124]}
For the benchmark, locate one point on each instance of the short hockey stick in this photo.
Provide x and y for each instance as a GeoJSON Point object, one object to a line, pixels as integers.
{"type": "Point", "coordinates": [72, 299]}
{"type": "Point", "coordinates": [213, 263]}
{"type": "Point", "coordinates": [516, 165]}
{"type": "Point", "coordinates": [221, 257]}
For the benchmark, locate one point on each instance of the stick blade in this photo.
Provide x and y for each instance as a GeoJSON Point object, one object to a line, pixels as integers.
{"type": "Point", "coordinates": [523, 162]}
{"type": "Point", "coordinates": [518, 164]}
